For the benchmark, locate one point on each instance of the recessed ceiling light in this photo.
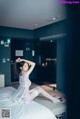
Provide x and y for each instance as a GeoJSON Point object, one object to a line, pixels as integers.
{"type": "Point", "coordinates": [54, 18]}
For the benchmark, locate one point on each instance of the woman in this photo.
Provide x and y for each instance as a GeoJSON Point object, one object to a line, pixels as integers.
{"type": "Point", "coordinates": [23, 94]}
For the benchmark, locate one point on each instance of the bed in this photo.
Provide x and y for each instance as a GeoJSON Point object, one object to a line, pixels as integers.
{"type": "Point", "coordinates": [40, 108]}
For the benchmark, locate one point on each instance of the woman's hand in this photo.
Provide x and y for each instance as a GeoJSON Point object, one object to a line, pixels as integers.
{"type": "Point", "coordinates": [18, 60]}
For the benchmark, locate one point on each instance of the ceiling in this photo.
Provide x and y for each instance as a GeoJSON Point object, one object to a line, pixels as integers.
{"type": "Point", "coordinates": [30, 14]}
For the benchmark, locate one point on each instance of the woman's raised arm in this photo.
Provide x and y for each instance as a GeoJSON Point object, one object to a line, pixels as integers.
{"type": "Point", "coordinates": [32, 65]}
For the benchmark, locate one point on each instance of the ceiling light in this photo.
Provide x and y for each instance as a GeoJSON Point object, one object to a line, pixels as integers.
{"type": "Point", "coordinates": [54, 18]}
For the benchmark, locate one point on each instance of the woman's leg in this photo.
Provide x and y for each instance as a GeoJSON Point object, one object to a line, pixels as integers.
{"type": "Point", "coordinates": [39, 90]}
{"type": "Point", "coordinates": [45, 94]}
{"type": "Point", "coordinates": [33, 93]}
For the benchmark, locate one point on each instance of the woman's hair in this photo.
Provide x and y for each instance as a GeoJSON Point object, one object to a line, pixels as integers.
{"type": "Point", "coordinates": [16, 68]}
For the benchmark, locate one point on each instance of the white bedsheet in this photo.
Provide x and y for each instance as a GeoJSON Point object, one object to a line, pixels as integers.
{"type": "Point", "coordinates": [22, 110]}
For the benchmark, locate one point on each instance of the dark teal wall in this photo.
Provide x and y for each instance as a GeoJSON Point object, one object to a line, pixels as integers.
{"type": "Point", "coordinates": [5, 67]}
{"type": "Point", "coordinates": [13, 33]}
{"type": "Point", "coordinates": [16, 33]}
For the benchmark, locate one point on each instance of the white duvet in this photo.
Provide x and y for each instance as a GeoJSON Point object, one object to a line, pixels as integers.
{"type": "Point", "coordinates": [22, 110]}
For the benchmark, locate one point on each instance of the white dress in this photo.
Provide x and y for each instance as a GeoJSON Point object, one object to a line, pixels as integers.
{"type": "Point", "coordinates": [22, 93]}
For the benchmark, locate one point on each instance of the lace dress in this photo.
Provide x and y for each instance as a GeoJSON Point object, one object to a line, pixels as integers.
{"type": "Point", "coordinates": [22, 93]}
